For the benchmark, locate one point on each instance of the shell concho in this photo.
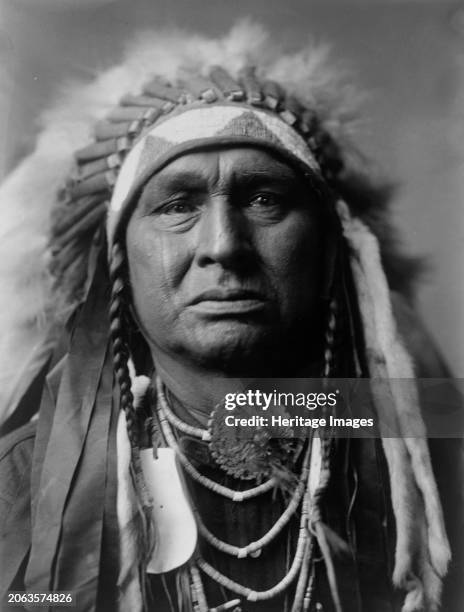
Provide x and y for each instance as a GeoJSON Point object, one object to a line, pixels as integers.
{"type": "Point", "coordinates": [253, 452]}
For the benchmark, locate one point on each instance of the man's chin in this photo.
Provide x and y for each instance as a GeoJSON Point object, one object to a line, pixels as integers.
{"type": "Point", "coordinates": [237, 348]}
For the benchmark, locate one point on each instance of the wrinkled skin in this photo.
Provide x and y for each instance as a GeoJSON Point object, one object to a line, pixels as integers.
{"type": "Point", "coordinates": [225, 261]}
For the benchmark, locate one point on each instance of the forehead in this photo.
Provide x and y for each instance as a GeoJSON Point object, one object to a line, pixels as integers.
{"type": "Point", "coordinates": [224, 164]}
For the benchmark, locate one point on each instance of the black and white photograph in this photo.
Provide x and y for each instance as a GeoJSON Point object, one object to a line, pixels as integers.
{"type": "Point", "coordinates": [232, 305]}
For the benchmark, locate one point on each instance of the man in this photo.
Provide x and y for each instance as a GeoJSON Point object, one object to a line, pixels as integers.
{"type": "Point", "coordinates": [233, 248]}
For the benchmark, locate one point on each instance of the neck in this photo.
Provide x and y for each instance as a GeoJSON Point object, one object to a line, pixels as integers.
{"type": "Point", "coordinates": [191, 386]}
{"type": "Point", "coordinates": [201, 390]}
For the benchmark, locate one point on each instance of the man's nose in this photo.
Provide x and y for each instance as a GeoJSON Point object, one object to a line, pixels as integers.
{"type": "Point", "coordinates": [223, 234]}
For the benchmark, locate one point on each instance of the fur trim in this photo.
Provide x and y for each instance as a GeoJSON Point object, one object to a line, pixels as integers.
{"type": "Point", "coordinates": [128, 584]}
{"type": "Point", "coordinates": [415, 497]}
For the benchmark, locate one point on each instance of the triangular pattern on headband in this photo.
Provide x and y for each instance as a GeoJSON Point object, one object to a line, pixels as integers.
{"type": "Point", "coordinates": [196, 126]}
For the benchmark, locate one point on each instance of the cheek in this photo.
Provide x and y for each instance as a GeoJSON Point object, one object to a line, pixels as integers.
{"type": "Point", "coordinates": [156, 267]}
{"type": "Point", "coordinates": [294, 254]}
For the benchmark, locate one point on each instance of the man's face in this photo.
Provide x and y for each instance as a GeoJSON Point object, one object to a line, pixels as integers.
{"type": "Point", "coordinates": [225, 258]}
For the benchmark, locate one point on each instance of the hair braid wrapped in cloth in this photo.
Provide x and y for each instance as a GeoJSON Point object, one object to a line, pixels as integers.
{"type": "Point", "coordinates": [415, 496]}
{"type": "Point", "coordinates": [292, 105]}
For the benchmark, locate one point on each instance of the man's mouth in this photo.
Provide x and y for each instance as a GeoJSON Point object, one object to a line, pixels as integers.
{"type": "Point", "coordinates": [228, 301]}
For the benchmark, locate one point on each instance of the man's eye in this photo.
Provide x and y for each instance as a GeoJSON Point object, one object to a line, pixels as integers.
{"type": "Point", "coordinates": [263, 199]}
{"type": "Point", "coordinates": [268, 202]}
{"type": "Point", "coordinates": [180, 207]}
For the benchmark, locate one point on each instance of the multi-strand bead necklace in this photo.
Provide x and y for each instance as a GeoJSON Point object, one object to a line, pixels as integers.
{"type": "Point", "coordinates": [301, 564]}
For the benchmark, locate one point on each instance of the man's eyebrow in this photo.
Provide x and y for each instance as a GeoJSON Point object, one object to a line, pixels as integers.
{"type": "Point", "coordinates": [168, 184]}
{"type": "Point", "coordinates": [277, 175]}
{"type": "Point", "coordinates": [177, 181]}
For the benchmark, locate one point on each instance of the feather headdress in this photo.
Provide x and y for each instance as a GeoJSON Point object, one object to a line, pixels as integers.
{"type": "Point", "coordinates": [45, 283]}
{"type": "Point", "coordinates": [28, 195]}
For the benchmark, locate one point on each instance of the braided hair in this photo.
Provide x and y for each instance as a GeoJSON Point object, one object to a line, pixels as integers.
{"type": "Point", "coordinates": [121, 356]}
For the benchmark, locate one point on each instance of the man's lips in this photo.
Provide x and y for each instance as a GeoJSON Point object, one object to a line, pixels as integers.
{"type": "Point", "coordinates": [228, 301]}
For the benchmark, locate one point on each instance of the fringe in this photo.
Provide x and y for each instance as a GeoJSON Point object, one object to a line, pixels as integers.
{"type": "Point", "coordinates": [184, 595]}
{"type": "Point", "coordinates": [128, 584]}
{"type": "Point", "coordinates": [415, 496]}
{"type": "Point", "coordinates": [132, 519]}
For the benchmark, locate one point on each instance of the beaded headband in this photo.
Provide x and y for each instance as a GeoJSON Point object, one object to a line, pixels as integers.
{"type": "Point", "coordinates": [166, 119]}
{"type": "Point", "coordinates": [198, 127]}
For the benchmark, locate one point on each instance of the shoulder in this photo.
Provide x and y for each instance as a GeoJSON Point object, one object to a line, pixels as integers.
{"type": "Point", "coordinates": [17, 446]}
{"type": "Point", "coordinates": [16, 451]}
{"type": "Point", "coordinates": [17, 436]}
